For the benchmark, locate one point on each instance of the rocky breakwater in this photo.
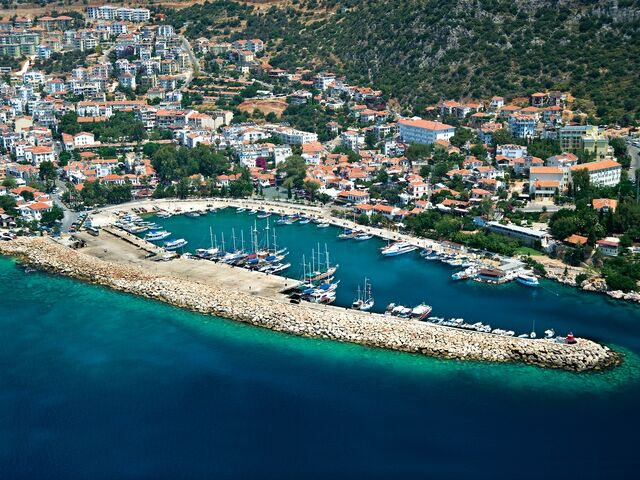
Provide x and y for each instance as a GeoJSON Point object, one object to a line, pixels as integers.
{"type": "Point", "coordinates": [310, 320]}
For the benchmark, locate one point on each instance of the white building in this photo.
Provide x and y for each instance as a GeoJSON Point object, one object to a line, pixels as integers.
{"type": "Point", "coordinates": [603, 173]}
{"type": "Point", "coordinates": [426, 132]}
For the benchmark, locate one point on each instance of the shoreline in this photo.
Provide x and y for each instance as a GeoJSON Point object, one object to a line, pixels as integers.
{"type": "Point", "coordinates": [106, 216]}
{"type": "Point", "coordinates": [317, 321]}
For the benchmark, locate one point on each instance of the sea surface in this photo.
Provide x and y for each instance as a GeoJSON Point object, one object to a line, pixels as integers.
{"type": "Point", "coordinates": [99, 384]}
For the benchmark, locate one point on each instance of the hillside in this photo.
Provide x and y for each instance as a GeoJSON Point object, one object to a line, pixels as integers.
{"type": "Point", "coordinates": [420, 51]}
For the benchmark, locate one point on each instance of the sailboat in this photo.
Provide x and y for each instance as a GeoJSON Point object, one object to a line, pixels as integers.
{"type": "Point", "coordinates": [365, 300]}
{"type": "Point", "coordinates": [329, 270]}
{"type": "Point", "coordinates": [208, 253]}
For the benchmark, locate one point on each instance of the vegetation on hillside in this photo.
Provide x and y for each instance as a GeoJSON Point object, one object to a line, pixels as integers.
{"type": "Point", "coordinates": [421, 51]}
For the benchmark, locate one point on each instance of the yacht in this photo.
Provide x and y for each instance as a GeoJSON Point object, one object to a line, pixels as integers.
{"type": "Point", "coordinates": [397, 248]}
{"type": "Point", "coordinates": [304, 221]}
{"type": "Point", "coordinates": [193, 214]}
{"type": "Point", "coordinates": [323, 225]}
{"type": "Point", "coordinates": [264, 215]}
{"type": "Point", "coordinates": [346, 234]}
{"type": "Point", "coordinates": [528, 279]}
{"type": "Point", "coordinates": [207, 253]}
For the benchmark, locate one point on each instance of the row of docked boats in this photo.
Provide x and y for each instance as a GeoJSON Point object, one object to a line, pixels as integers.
{"type": "Point", "coordinates": [419, 312]}
{"type": "Point", "coordinates": [357, 235]}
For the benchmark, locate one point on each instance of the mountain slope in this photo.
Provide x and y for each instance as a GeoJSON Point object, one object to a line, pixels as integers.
{"type": "Point", "coordinates": [420, 51]}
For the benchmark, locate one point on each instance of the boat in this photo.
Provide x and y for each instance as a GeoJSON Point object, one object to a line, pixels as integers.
{"type": "Point", "coordinates": [175, 244]}
{"type": "Point", "coordinates": [207, 253]}
{"type": "Point", "coordinates": [528, 279]}
{"type": "Point", "coordinates": [362, 236]}
{"type": "Point", "coordinates": [193, 214]}
{"type": "Point", "coordinates": [275, 268]}
{"type": "Point", "coordinates": [253, 211]}
{"type": "Point", "coordinates": [264, 215]}
{"type": "Point", "coordinates": [397, 248]}
{"type": "Point", "coordinates": [241, 209]}
{"type": "Point", "coordinates": [365, 300]}
{"type": "Point", "coordinates": [157, 235]}
{"type": "Point", "coordinates": [346, 234]}
{"type": "Point", "coordinates": [421, 312]}
{"type": "Point", "coordinates": [304, 221]}
{"type": "Point", "coordinates": [323, 225]}
{"type": "Point", "coordinates": [163, 214]}
{"type": "Point", "coordinates": [429, 254]}
{"type": "Point", "coordinates": [550, 333]}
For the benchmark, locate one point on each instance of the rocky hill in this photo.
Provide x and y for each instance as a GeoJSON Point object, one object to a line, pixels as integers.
{"type": "Point", "coordinates": [420, 51]}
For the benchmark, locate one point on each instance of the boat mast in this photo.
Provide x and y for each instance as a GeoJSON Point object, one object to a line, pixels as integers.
{"type": "Point", "coordinates": [233, 234]}
{"type": "Point", "coordinates": [222, 241]}
{"type": "Point", "coordinates": [242, 240]}
{"type": "Point", "coordinates": [211, 236]}
{"type": "Point", "coordinates": [267, 235]}
{"type": "Point", "coordinates": [326, 251]}
{"type": "Point", "coordinates": [275, 245]}
{"type": "Point", "coordinates": [313, 260]}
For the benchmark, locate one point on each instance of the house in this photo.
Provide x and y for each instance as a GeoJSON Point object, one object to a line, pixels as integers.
{"type": "Point", "coordinates": [38, 154]}
{"type": "Point", "coordinates": [609, 246]}
{"type": "Point", "coordinates": [418, 189]}
{"type": "Point", "coordinates": [426, 132]}
{"type": "Point", "coordinates": [604, 204]}
{"type": "Point", "coordinates": [354, 196]}
{"type": "Point", "coordinates": [511, 151]}
{"type": "Point", "coordinates": [603, 173]}
{"type": "Point", "coordinates": [576, 240]}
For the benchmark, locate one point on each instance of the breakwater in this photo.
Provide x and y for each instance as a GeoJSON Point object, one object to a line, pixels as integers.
{"type": "Point", "coordinates": [310, 320]}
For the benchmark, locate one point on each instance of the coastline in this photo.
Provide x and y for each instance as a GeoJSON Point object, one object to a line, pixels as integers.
{"type": "Point", "coordinates": [373, 330]}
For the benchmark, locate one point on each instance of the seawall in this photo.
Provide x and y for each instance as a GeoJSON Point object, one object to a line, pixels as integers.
{"type": "Point", "coordinates": [310, 320]}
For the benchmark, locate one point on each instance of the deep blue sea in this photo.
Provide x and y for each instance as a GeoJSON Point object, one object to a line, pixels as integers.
{"type": "Point", "coordinates": [98, 384]}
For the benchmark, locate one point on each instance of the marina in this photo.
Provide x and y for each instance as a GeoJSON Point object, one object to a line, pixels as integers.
{"type": "Point", "coordinates": [404, 279]}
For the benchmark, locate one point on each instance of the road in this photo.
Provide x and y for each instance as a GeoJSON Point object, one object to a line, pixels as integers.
{"type": "Point", "coordinates": [634, 153]}
{"type": "Point", "coordinates": [69, 215]}
{"type": "Point", "coordinates": [195, 66]}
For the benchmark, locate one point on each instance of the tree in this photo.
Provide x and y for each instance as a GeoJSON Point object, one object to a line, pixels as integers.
{"type": "Point", "coordinates": [183, 188]}
{"type": "Point", "coordinates": [8, 204]}
{"type": "Point", "coordinates": [48, 174]}
{"type": "Point", "coordinates": [294, 169]}
{"type": "Point", "coordinates": [580, 183]}
{"type": "Point", "coordinates": [311, 187]}
{"type": "Point", "coordinates": [9, 183]}
{"type": "Point", "coordinates": [52, 216]}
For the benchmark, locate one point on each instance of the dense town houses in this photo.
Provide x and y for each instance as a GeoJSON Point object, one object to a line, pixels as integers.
{"type": "Point", "coordinates": [145, 112]}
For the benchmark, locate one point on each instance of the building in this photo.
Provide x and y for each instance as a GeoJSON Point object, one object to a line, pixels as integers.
{"type": "Point", "coordinates": [425, 132]}
{"type": "Point", "coordinates": [545, 182]}
{"type": "Point", "coordinates": [603, 173]}
{"type": "Point", "coordinates": [522, 125]}
{"type": "Point", "coordinates": [584, 137]}
{"type": "Point", "coordinates": [528, 236]}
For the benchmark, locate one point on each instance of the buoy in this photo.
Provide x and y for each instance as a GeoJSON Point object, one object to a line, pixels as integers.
{"type": "Point", "coordinates": [571, 339]}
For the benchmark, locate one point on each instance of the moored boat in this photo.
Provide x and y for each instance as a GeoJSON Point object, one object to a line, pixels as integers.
{"type": "Point", "coordinates": [157, 235]}
{"type": "Point", "coordinates": [528, 279]}
{"type": "Point", "coordinates": [175, 244]}
{"type": "Point", "coordinates": [397, 248]}
{"type": "Point", "coordinates": [362, 236]}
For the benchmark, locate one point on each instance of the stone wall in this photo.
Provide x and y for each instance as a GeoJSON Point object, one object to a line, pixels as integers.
{"type": "Point", "coordinates": [311, 320]}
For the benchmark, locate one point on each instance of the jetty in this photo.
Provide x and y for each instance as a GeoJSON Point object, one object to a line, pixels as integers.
{"type": "Point", "coordinates": [268, 309]}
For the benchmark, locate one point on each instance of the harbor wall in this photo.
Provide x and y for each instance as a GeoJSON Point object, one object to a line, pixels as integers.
{"type": "Point", "coordinates": [309, 320]}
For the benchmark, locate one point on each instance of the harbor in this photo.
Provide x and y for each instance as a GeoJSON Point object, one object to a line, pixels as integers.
{"type": "Point", "coordinates": [426, 274]}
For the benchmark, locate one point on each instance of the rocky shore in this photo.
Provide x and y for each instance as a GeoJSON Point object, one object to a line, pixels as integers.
{"type": "Point", "coordinates": [310, 320]}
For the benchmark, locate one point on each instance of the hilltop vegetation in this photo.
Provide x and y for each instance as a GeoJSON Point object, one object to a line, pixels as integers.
{"type": "Point", "coordinates": [421, 51]}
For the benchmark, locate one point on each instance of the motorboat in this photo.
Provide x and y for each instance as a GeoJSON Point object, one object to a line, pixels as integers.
{"type": "Point", "coordinates": [175, 244]}
{"type": "Point", "coordinates": [193, 214]}
{"type": "Point", "coordinates": [157, 235]}
{"type": "Point", "coordinates": [421, 312]}
{"type": "Point", "coordinates": [362, 236]}
{"type": "Point", "coordinates": [323, 225]}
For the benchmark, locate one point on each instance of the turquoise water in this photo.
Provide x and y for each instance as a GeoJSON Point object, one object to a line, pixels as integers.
{"type": "Point", "coordinates": [99, 384]}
